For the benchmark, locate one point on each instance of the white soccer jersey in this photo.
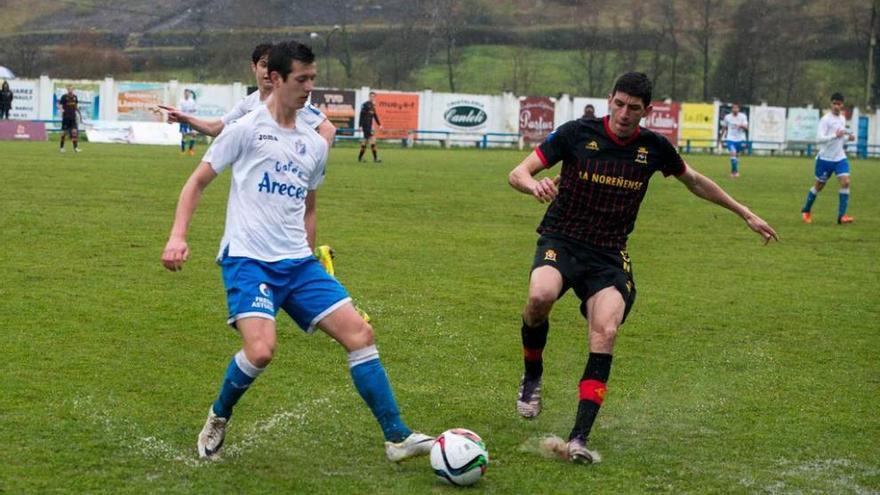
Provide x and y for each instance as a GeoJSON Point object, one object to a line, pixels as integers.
{"type": "Point", "coordinates": [732, 122]}
{"type": "Point", "coordinates": [309, 114]}
{"type": "Point", "coordinates": [831, 148]}
{"type": "Point", "coordinates": [273, 170]}
{"type": "Point", "coordinates": [188, 107]}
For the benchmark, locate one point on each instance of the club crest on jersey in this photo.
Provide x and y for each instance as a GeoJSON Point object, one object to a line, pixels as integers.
{"type": "Point", "coordinates": [300, 147]}
{"type": "Point", "coordinates": [550, 255]}
{"type": "Point", "coordinates": [642, 155]}
{"type": "Point", "coordinates": [592, 146]}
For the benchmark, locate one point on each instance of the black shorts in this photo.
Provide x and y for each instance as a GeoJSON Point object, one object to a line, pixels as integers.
{"type": "Point", "coordinates": [368, 132]}
{"type": "Point", "coordinates": [587, 269]}
{"type": "Point", "coordinates": [68, 124]}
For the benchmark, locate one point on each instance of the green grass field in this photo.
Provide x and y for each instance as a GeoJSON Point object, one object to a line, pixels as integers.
{"type": "Point", "coordinates": [742, 368]}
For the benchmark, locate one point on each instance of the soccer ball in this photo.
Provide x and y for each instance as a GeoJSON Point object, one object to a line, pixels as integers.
{"type": "Point", "coordinates": [459, 457]}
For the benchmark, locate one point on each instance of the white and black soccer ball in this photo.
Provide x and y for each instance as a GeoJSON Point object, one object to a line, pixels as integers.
{"type": "Point", "coordinates": [459, 457]}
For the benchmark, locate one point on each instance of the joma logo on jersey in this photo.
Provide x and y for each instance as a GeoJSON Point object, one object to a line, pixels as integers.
{"type": "Point", "coordinates": [642, 155]}
{"type": "Point", "coordinates": [269, 137]}
{"type": "Point", "coordinates": [592, 146]}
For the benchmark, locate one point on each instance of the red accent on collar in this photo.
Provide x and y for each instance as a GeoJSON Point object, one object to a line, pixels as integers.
{"type": "Point", "coordinates": [613, 137]}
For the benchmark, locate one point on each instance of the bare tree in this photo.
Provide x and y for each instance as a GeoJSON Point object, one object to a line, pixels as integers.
{"type": "Point", "coordinates": [864, 30]}
{"type": "Point", "coordinates": [446, 16]}
{"type": "Point", "coordinates": [708, 13]}
{"type": "Point", "coordinates": [589, 69]}
{"type": "Point", "coordinates": [754, 70]}
{"type": "Point", "coordinates": [25, 57]}
{"type": "Point", "coordinates": [87, 57]}
{"type": "Point", "coordinates": [344, 56]}
{"type": "Point", "coordinates": [521, 70]}
{"type": "Point", "coordinates": [671, 37]}
{"type": "Point", "coordinates": [404, 43]}
{"type": "Point", "coordinates": [631, 52]}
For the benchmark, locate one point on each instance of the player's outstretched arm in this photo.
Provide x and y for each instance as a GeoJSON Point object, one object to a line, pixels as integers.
{"type": "Point", "coordinates": [705, 188]}
{"type": "Point", "coordinates": [207, 127]}
{"type": "Point", "coordinates": [176, 249]}
{"type": "Point", "coordinates": [522, 178]}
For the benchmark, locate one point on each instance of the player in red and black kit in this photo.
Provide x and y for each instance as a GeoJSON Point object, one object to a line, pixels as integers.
{"type": "Point", "coordinates": [368, 115]}
{"type": "Point", "coordinates": [606, 166]}
{"type": "Point", "coordinates": [69, 106]}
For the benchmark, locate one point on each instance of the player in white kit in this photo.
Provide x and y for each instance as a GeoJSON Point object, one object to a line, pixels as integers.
{"type": "Point", "coordinates": [277, 164]}
{"type": "Point", "coordinates": [831, 137]}
{"type": "Point", "coordinates": [188, 106]}
{"type": "Point", "coordinates": [735, 124]}
{"type": "Point", "coordinates": [310, 114]}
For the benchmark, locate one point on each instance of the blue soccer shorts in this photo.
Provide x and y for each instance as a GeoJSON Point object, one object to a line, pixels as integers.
{"type": "Point", "coordinates": [185, 128]}
{"type": "Point", "coordinates": [301, 287]}
{"type": "Point", "coordinates": [824, 169]}
{"type": "Point", "coordinates": [733, 146]}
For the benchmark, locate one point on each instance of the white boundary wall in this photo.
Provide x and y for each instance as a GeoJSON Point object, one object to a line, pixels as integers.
{"type": "Point", "coordinates": [467, 117]}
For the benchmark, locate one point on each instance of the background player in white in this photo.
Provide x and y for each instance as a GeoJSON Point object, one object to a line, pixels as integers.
{"type": "Point", "coordinates": [259, 63]}
{"type": "Point", "coordinates": [831, 137]}
{"type": "Point", "coordinates": [266, 251]}
{"type": "Point", "coordinates": [735, 126]}
{"type": "Point", "coordinates": [188, 106]}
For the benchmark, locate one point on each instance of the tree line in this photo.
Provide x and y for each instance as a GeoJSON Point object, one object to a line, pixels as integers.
{"type": "Point", "coordinates": [784, 52]}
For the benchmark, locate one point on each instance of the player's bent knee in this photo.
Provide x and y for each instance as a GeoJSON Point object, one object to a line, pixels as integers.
{"type": "Point", "coordinates": [541, 299]}
{"type": "Point", "coordinates": [362, 336]}
{"type": "Point", "coordinates": [260, 353]}
{"type": "Point", "coordinates": [602, 336]}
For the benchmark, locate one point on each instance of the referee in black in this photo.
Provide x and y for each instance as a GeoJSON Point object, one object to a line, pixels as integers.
{"type": "Point", "coordinates": [368, 115]}
{"type": "Point", "coordinates": [606, 166]}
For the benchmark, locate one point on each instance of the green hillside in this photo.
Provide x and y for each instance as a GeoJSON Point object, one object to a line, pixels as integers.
{"type": "Point", "coordinates": [787, 52]}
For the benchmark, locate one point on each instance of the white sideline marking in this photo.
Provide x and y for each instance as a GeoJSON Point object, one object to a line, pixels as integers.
{"type": "Point", "coordinates": [253, 436]}
{"type": "Point", "coordinates": [827, 475]}
{"type": "Point", "coordinates": [125, 431]}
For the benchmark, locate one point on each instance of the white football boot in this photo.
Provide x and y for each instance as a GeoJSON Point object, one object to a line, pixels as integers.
{"type": "Point", "coordinates": [578, 452]}
{"type": "Point", "coordinates": [528, 401]}
{"type": "Point", "coordinates": [414, 445]}
{"type": "Point", "coordinates": [212, 435]}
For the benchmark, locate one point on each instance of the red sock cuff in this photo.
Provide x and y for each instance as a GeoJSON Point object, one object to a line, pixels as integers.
{"type": "Point", "coordinates": [533, 354]}
{"type": "Point", "coordinates": [593, 391]}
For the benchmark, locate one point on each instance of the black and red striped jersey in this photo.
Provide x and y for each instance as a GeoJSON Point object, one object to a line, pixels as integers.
{"type": "Point", "coordinates": [69, 105]}
{"type": "Point", "coordinates": [603, 179]}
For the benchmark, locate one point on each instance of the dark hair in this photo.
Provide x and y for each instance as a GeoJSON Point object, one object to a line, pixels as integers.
{"type": "Point", "coordinates": [634, 84]}
{"type": "Point", "coordinates": [260, 51]}
{"type": "Point", "coordinates": [589, 105]}
{"type": "Point", "coordinates": [283, 54]}
{"type": "Point", "coordinates": [837, 97]}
